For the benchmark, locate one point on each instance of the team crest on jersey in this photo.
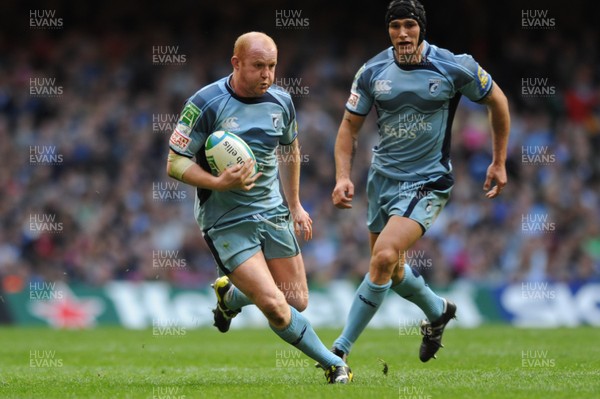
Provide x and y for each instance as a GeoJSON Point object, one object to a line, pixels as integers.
{"type": "Point", "coordinates": [434, 86]}
{"type": "Point", "coordinates": [277, 121]}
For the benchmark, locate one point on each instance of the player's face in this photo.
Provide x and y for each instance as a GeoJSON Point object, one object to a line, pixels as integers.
{"type": "Point", "coordinates": [257, 71]}
{"type": "Point", "coordinates": [404, 34]}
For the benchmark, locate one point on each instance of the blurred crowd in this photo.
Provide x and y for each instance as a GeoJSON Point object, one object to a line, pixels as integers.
{"type": "Point", "coordinates": [86, 111]}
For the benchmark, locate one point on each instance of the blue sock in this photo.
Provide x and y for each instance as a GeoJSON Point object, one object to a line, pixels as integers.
{"type": "Point", "coordinates": [300, 334]}
{"type": "Point", "coordinates": [368, 298]}
{"type": "Point", "coordinates": [414, 289]}
{"type": "Point", "coordinates": [236, 299]}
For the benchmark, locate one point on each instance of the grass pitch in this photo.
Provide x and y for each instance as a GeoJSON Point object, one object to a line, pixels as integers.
{"type": "Point", "coordinates": [487, 362]}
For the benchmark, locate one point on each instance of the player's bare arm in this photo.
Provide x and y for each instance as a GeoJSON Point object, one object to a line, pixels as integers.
{"type": "Point", "coordinates": [289, 170]}
{"type": "Point", "coordinates": [499, 116]}
{"type": "Point", "coordinates": [237, 177]}
{"type": "Point", "coordinates": [345, 149]}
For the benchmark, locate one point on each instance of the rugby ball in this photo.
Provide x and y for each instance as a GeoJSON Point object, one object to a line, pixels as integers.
{"type": "Point", "coordinates": [224, 149]}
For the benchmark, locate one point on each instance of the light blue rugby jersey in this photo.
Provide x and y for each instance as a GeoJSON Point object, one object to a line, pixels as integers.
{"type": "Point", "coordinates": [415, 108]}
{"type": "Point", "coordinates": [262, 122]}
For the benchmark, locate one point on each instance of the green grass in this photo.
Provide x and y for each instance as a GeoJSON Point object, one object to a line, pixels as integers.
{"type": "Point", "coordinates": [487, 362]}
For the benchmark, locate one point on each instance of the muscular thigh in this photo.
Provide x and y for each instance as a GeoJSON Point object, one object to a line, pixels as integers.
{"type": "Point", "coordinates": [290, 277]}
{"type": "Point", "coordinates": [254, 279]}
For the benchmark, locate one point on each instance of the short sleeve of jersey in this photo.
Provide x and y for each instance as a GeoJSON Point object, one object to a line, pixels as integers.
{"type": "Point", "coordinates": [190, 132]}
{"type": "Point", "coordinates": [290, 131]}
{"type": "Point", "coordinates": [360, 100]}
{"type": "Point", "coordinates": [475, 82]}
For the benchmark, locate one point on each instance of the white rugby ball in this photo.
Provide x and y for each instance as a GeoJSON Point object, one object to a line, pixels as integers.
{"type": "Point", "coordinates": [224, 149]}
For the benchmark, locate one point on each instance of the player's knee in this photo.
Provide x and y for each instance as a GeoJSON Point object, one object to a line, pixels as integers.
{"type": "Point", "coordinates": [384, 259]}
{"type": "Point", "coordinates": [274, 308]}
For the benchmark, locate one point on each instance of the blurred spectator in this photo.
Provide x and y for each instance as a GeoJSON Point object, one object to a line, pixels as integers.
{"type": "Point", "coordinates": [85, 197]}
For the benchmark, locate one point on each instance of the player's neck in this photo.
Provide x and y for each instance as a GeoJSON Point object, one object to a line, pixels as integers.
{"type": "Point", "coordinates": [233, 83]}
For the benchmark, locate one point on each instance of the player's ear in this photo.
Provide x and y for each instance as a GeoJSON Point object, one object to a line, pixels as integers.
{"type": "Point", "coordinates": [235, 62]}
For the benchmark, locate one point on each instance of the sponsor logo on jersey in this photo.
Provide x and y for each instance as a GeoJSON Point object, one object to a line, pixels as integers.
{"type": "Point", "coordinates": [434, 86]}
{"type": "Point", "coordinates": [190, 114]}
{"type": "Point", "coordinates": [383, 87]}
{"type": "Point", "coordinates": [483, 77]}
{"type": "Point", "coordinates": [354, 99]}
{"type": "Point", "coordinates": [179, 141]}
{"type": "Point", "coordinates": [230, 124]}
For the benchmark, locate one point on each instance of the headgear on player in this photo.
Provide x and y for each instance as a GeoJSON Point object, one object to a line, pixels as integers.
{"type": "Point", "coordinates": [400, 9]}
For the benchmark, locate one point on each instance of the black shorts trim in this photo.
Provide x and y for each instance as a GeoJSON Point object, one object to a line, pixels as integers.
{"type": "Point", "coordinates": [215, 254]}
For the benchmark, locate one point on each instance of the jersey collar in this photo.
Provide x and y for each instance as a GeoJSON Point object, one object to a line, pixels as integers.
{"type": "Point", "coordinates": [267, 97]}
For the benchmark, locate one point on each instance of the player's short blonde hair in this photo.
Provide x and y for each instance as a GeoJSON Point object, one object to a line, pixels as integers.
{"type": "Point", "coordinates": [243, 42]}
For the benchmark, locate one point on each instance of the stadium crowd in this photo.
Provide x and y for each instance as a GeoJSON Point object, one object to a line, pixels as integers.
{"type": "Point", "coordinates": [86, 112]}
